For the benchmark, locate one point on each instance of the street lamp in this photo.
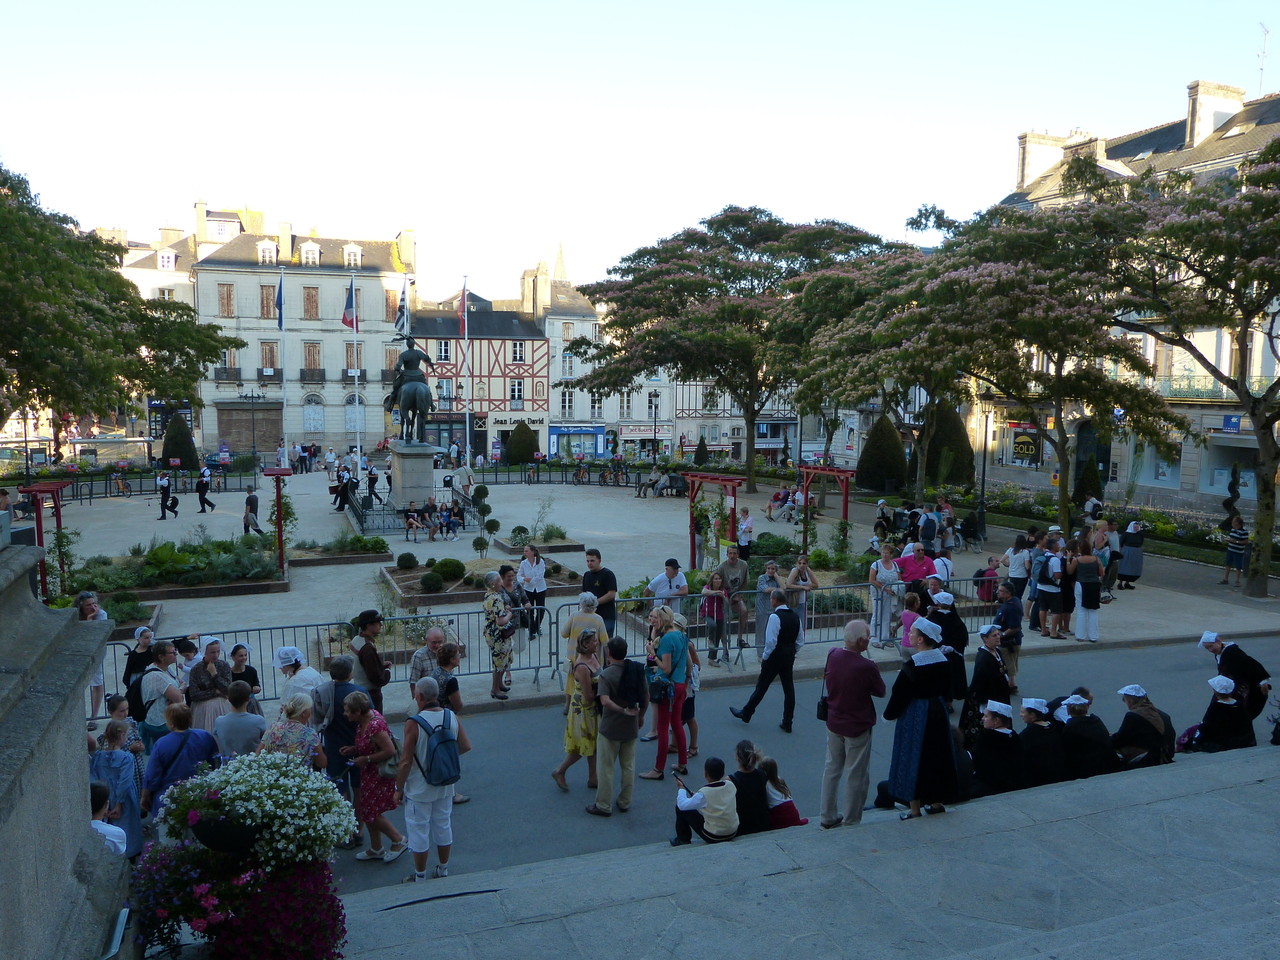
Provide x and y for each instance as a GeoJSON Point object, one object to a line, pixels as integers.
{"type": "Point", "coordinates": [654, 397]}
{"type": "Point", "coordinates": [253, 399]}
{"type": "Point", "coordinates": [985, 399]}
{"type": "Point", "coordinates": [26, 449]}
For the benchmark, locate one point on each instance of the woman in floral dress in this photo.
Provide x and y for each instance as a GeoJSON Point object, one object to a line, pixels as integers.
{"type": "Point", "coordinates": [497, 621]}
{"type": "Point", "coordinates": [293, 734]}
{"type": "Point", "coordinates": [377, 793]}
{"type": "Point", "coordinates": [582, 715]}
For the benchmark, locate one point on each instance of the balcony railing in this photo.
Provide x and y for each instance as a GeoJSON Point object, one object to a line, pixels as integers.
{"type": "Point", "coordinates": [226, 373]}
{"type": "Point", "coordinates": [387, 375]}
{"type": "Point", "coordinates": [311, 375]}
{"type": "Point", "coordinates": [446, 404]}
{"type": "Point", "coordinates": [517, 404]}
{"type": "Point", "coordinates": [1202, 387]}
{"type": "Point", "coordinates": [270, 375]}
{"type": "Point", "coordinates": [349, 376]}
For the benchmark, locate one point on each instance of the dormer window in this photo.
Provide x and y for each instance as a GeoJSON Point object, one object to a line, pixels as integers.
{"type": "Point", "coordinates": [351, 256]}
{"type": "Point", "coordinates": [266, 253]}
{"type": "Point", "coordinates": [168, 259]}
{"type": "Point", "coordinates": [311, 254]}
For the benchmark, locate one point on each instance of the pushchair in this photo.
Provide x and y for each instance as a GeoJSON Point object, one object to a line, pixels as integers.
{"type": "Point", "coordinates": [969, 535]}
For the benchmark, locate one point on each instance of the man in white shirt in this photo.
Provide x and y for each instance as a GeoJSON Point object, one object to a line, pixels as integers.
{"type": "Point", "coordinates": [668, 586]}
{"type": "Point", "coordinates": [99, 801]}
{"type": "Point", "coordinates": [202, 488]}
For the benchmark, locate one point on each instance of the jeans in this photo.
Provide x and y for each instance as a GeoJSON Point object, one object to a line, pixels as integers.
{"type": "Point", "coordinates": [848, 760]}
{"type": "Point", "coordinates": [609, 752]}
{"type": "Point", "coordinates": [669, 722]}
{"type": "Point", "coordinates": [776, 666]}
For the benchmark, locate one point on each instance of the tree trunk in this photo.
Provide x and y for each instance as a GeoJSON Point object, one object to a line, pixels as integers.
{"type": "Point", "coordinates": [749, 449]}
{"type": "Point", "coordinates": [1258, 574]}
{"type": "Point", "coordinates": [1062, 451]}
{"type": "Point", "coordinates": [923, 441]}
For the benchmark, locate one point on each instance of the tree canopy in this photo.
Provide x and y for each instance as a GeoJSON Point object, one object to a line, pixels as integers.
{"type": "Point", "coordinates": [709, 305]}
{"type": "Point", "coordinates": [79, 338]}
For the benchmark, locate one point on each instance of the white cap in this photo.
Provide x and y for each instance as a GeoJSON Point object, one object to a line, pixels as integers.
{"type": "Point", "coordinates": [983, 631]}
{"type": "Point", "coordinates": [944, 598]}
{"type": "Point", "coordinates": [1039, 706]}
{"type": "Point", "coordinates": [928, 628]}
{"type": "Point", "coordinates": [995, 706]}
{"type": "Point", "coordinates": [287, 656]}
{"type": "Point", "coordinates": [1054, 528]}
{"type": "Point", "coordinates": [1207, 638]}
{"type": "Point", "coordinates": [881, 503]}
{"type": "Point", "coordinates": [1132, 690]}
{"type": "Point", "coordinates": [1072, 701]}
{"type": "Point", "coordinates": [1222, 684]}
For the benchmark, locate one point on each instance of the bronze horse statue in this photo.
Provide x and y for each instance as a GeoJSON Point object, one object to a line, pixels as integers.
{"type": "Point", "coordinates": [411, 393]}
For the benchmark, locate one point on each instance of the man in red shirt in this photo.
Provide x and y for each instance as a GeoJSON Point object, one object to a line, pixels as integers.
{"type": "Point", "coordinates": [851, 680]}
{"type": "Point", "coordinates": [915, 567]}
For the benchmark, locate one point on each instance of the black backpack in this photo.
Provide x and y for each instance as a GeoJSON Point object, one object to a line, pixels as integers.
{"type": "Point", "coordinates": [137, 708]}
{"type": "Point", "coordinates": [1046, 575]}
{"type": "Point", "coordinates": [928, 528]}
{"type": "Point", "coordinates": [631, 686]}
{"type": "Point", "coordinates": [444, 763]}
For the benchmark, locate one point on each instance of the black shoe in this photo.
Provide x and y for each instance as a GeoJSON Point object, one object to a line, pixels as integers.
{"type": "Point", "coordinates": [677, 842]}
{"type": "Point", "coordinates": [784, 727]}
{"type": "Point", "coordinates": [745, 718]}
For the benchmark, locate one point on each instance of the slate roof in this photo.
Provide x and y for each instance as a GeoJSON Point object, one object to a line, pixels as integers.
{"type": "Point", "coordinates": [377, 256]}
{"type": "Point", "coordinates": [568, 301]}
{"type": "Point", "coordinates": [481, 325]}
{"type": "Point", "coordinates": [1257, 123]}
{"type": "Point", "coordinates": [184, 248]}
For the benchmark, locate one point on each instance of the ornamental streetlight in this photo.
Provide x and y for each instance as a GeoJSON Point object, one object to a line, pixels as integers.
{"type": "Point", "coordinates": [986, 399]}
{"type": "Point", "coordinates": [654, 397]}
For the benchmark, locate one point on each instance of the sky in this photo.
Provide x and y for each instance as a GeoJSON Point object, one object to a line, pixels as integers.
{"type": "Point", "coordinates": [501, 129]}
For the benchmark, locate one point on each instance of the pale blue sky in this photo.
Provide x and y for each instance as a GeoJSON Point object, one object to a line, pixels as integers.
{"type": "Point", "coordinates": [500, 129]}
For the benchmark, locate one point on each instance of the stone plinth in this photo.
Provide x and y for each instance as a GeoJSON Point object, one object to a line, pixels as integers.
{"type": "Point", "coordinates": [412, 472]}
{"type": "Point", "coordinates": [64, 889]}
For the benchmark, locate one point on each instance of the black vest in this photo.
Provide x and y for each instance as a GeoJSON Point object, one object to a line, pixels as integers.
{"type": "Point", "coordinates": [788, 627]}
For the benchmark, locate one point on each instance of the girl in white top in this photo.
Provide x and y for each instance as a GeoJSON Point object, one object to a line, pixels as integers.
{"type": "Point", "coordinates": [532, 576]}
{"type": "Point", "coordinates": [782, 809]}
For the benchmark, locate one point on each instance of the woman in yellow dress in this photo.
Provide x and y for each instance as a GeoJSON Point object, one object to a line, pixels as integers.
{"type": "Point", "coordinates": [582, 713]}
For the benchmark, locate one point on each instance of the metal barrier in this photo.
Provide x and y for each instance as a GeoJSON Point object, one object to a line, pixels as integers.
{"type": "Point", "coordinates": [105, 487]}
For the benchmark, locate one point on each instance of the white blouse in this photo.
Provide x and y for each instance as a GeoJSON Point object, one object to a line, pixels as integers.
{"type": "Point", "coordinates": [533, 577]}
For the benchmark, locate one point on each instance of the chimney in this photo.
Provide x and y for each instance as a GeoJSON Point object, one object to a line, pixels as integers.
{"type": "Point", "coordinates": [286, 243]}
{"type": "Point", "coordinates": [202, 225]}
{"type": "Point", "coordinates": [1209, 106]}
{"type": "Point", "coordinates": [170, 235]}
{"type": "Point", "coordinates": [1094, 148]}
{"type": "Point", "coordinates": [1037, 152]}
{"type": "Point", "coordinates": [407, 247]}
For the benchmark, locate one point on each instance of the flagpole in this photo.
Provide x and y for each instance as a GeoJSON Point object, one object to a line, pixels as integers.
{"type": "Point", "coordinates": [284, 376]}
{"type": "Point", "coordinates": [466, 375]}
{"type": "Point", "coordinates": [355, 360]}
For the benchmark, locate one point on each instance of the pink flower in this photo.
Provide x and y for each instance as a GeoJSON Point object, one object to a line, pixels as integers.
{"type": "Point", "coordinates": [193, 817]}
{"type": "Point", "coordinates": [197, 924]}
{"type": "Point", "coordinates": [200, 889]}
{"type": "Point", "coordinates": [161, 912]}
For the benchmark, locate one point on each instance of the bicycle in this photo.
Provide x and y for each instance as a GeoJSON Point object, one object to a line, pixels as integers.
{"type": "Point", "coordinates": [621, 476]}
{"type": "Point", "coordinates": [605, 476]}
{"type": "Point", "coordinates": [582, 474]}
{"type": "Point", "coordinates": [123, 487]}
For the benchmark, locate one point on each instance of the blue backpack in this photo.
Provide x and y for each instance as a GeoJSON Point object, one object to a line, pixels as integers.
{"type": "Point", "coordinates": [444, 764]}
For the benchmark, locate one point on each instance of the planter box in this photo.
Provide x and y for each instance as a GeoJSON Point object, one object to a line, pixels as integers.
{"type": "Point", "coordinates": [333, 559]}
{"type": "Point", "coordinates": [125, 633]}
{"type": "Point", "coordinates": [240, 588]}
{"type": "Point", "coordinates": [412, 599]}
{"type": "Point", "coordinates": [565, 546]}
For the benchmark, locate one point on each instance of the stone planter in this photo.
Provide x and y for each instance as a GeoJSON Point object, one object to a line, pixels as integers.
{"type": "Point", "coordinates": [125, 633]}
{"type": "Point", "coordinates": [561, 546]}
{"type": "Point", "coordinates": [333, 559]}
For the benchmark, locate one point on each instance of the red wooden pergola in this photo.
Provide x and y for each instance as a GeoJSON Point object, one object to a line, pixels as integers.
{"type": "Point", "coordinates": [729, 486]}
{"type": "Point", "coordinates": [278, 474]}
{"type": "Point", "coordinates": [37, 492]}
{"type": "Point", "coordinates": [843, 477]}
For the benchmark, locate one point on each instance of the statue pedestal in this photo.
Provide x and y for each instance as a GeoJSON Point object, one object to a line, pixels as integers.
{"type": "Point", "coordinates": [413, 475]}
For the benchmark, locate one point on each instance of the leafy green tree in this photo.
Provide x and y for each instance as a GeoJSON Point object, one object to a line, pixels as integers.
{"type": "Point", "coordinates": [1194, 264]}
{"type": "Point", "coordinates": [709, 305]}
{"type": "Point", "coordinates": [78, 336]}
{"type": "Point", "coordinates": [701, 454]}
{"type": "Point", "coordinates": [882, 465]}
{"type": "Point", "coordinates": [522, 444]}
{"type": "Point", "coordinates": [179, 444]}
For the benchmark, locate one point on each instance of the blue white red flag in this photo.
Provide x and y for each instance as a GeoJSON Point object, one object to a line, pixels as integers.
{"type": "Point", "coordinates": [349, 318]}
{"type": "Point", "coordinates": [402, 313]}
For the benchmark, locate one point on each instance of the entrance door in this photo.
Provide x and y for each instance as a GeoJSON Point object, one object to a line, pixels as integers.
{"type": "Point", "coordinates": [1088, 444]}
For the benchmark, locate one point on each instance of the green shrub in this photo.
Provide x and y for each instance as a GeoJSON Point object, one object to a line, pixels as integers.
{"type": "Point", "coordinates": [243, 463]}
{"type": "Point", "coordinates": [484, 509]}
{"type": "Point", "coordinates": [553, 531]}
{"type": "Point", "coordinates": [178, 444]}
{"type": "Point", "coordinates": [571, 576]}
{"type": "Point", "coordinates": [406, 561]}
{"type": "Point", "coordinates": [492, 526]}
{"type": "Point", "coordinates": [469, 580]}
{"type": "Point", "coordinates": [820, 559]}
{"type": "Point", "coordinates": [479, 492]}
{"type": "Point", "coordinates": [554, 568]}
{"type": "Point", "coordinates": [883, 463]}
{"type": "Point", "coordinates": [1088, 482]}
{"type": "Point", "coordinates": [773, 545]}
{"type": "Point", "coordinates": [480, 545]}
{"type": "Point", "coordinates": [431, 582]}
{"type": "Point", "coordinates": [950, 459]}
{"type": "Point", "coordinates": [701, 454]}
{"type": "Point", "coordinates": [449, 569]}
{"type": "Point", "coordinates": [519, 536]}
{"type": "Point", "coordinates": [522, 444]}
{"type": "Point", "coordinates": [431, 562]}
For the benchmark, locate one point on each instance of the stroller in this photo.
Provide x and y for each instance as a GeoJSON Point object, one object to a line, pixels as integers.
{"type": "Point", "coordinates": [969, 535]}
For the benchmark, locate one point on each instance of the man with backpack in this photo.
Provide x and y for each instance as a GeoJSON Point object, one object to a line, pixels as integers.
{"type": "Point", "coordinates": [429, 767]}
{"type": "Point", "coordinates": [153, 690]}
{"type": "Point", "coordinates": [623, 697]}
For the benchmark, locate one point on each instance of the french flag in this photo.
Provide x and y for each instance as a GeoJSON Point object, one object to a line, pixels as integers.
{"type": "Point", "coordinates": [349, 318]}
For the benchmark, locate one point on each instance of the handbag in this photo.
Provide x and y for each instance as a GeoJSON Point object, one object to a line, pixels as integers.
{"type": "Point", "coordinates": [823, 708]}
{"type": "Point", "coordinates": [660, 687]}
{"type": "Point", "coordinates": [387, 767]}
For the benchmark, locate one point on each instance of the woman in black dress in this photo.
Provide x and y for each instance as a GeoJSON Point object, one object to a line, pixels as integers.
{"type": "Point", "coordinates": [241, 670]}
{"type": "Point", "coordinates": [990, 682]}
{"type": "Point", "coordinates": [1226, 724]}
{"type": "Point", "coordinates": [923, 769]}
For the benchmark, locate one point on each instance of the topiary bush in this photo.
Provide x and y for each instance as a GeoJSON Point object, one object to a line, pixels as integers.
{"type": "Point", "coordinates": [449, 569]}
{"type": "Point", "coordinates": [480, 545]}
{"type": "Point", "coordinates": [950, 459]}
{"type": "Point", "coordinates": [179, 444]}
{"type": "Point", "coordinates": [431, 562]}
{"type": "Point", "coordinates": [479, 492]}
{"type": "Point", "coordinates": [1088, 482]}
{"type": "Point", "coordinates": [431, 582]}
{"type": "Point", "coordinates": [406, 561]}
{"type": "Point", "coordinates": [701, 454]}
{"type": "Point", "coordinates": [492, 526]}
{"type": "Point", "coordinates": [484, 509]}
{"type": "Point", "coordinates": [522, 444]}
{"type": "Point", "coordinates": [883, 463]}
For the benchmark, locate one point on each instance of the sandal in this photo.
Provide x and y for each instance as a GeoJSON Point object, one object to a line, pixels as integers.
{"type": "Point", "coordinates": [909, 816]}
{"type": "Point", "coordinates": [395, 850]}
{"type": "Point", "coordinates": [935, 808]}
{"type": "Point", "coordinates": [558, 777]}
{"type": "Point", "coordinates": [371, 854]}
{"type": "Point", "coordinates": [653, 775]}
{"type": "Point", "coordinates": [693, 752]}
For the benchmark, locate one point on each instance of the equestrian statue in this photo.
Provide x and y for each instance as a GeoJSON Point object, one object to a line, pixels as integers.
{"type": "Point", "coordinates": [411, 392]}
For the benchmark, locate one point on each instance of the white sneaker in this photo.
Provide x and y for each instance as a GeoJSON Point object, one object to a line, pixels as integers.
{"type": "Point", "coordinates": [440, 871]}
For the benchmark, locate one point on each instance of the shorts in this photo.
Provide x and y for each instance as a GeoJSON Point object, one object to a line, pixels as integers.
{"type": "Point", "coordinates": [1051, 601]}
{"type": "Point", "coordinates": [1235, 561]}
{"type": "Point", "coordinates": [687, 711]}
{"type": "Point", "coordinates": [99, 677]}
{"type": "Point", "coordinates": [427, 822]}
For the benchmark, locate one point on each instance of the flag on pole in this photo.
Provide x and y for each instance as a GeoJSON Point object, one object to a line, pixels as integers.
{"type": "Point", "coordinates": [462, 313]}
{"type": "Point", "coordinates": [402, 313]}
{"type": "Point", "coordinates": [280, 303]}
{"type": "Point", "coordinates": [349, 318]}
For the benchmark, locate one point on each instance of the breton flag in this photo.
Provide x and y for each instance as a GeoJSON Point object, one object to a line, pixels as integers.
{"type": "Point", "coordinates": [280, 303]}
{"type": "Point", "coordinates": [462, 313]}
{"type": "Point", "coordinates": [402, 313]}
{"type": "Point", "coordinates": [349, 318]}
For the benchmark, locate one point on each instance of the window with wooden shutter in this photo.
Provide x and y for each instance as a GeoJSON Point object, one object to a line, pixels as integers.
{"type": "Point", "coordinates": [392, 355]}
{"type": "Point", "coordinates": [267, 302]}
{"type": "Point", "coordinates": [270, 354]}
{"type": "Point", "coordinates": [226, 299]}
{"type": "Point", "coordinates": [355, 358]}
{"type": "Point", "coordinates": [311, 356]}
{"type": "Point", "coordinates": [310, 303]}
{"type": "Point", "coordinates": [393, 304]}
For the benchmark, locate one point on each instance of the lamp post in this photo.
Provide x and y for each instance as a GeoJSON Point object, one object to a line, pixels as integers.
{"type": "Point", "coordinates": [986, 398]}
{"type": "Point", "coordinates": [654, 397]}
{"type": "Point", "coordinates": [26, 449]}
{"type": "Point", "coordinates": [253, 399]}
